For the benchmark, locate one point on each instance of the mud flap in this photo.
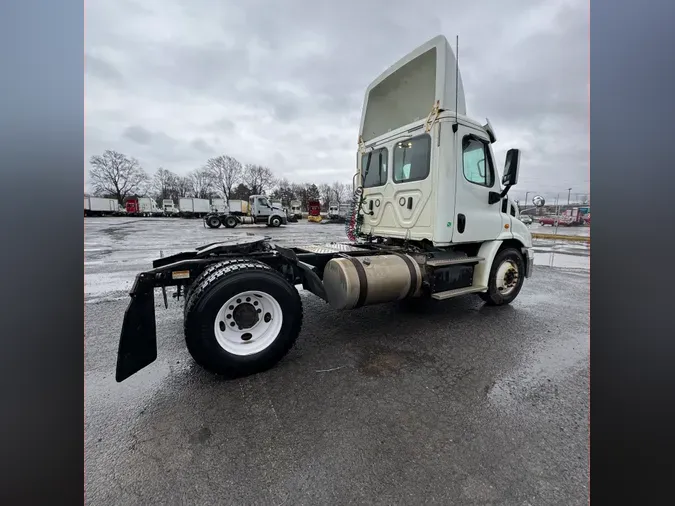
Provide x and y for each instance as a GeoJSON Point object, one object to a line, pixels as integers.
{"type": "Point", "coordinates": [138, 340]}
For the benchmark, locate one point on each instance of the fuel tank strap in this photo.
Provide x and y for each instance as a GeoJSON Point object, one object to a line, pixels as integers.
{"type": "Point", "coordinates": [363, 281]}
{"type": "Point", "coordinates": [413, 273]}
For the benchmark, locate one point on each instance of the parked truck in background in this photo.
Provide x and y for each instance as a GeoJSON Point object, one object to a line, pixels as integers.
{"type": "Point", "coordinates": [258, 210]}
{"type": "Point", "coordinates": [296, 209]}
{"type": "Point", "coordinates": [337, 213]}
{"type": "Point", "coordinates": [142, 206]}
{"type": "Point", "coordinates": [430, 220]}
{"type": "Point", "coordinates": [314, 211]}
{"type": "Point", "coordinates": [569, 218]}
{"type": "Point", "coordinates": [194, 208]}
{"type": "Point", "coordinates": [169, 207]}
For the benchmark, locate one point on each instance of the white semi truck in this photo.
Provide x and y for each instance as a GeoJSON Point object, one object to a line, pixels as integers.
{"type": "Point", "coordinates": [169, 207]}
{"type": "Point", "coordinates": [431, 220]}
{"type": "Point", "coordinates": [296, 209]}
{"type": "Point", "coordinates": [258, 210]}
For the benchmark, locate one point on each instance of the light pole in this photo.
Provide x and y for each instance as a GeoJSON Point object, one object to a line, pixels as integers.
{"type": "Point", "coordinates": [526, 194]}
{"type": "Point", "coordinates": [569, 190]}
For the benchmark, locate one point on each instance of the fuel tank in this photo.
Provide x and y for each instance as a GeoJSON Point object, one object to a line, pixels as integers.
{"type": "Point", "coordinates": [354, 282]}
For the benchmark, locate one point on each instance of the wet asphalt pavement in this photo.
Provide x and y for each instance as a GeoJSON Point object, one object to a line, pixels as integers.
{"type": "Point", "coordinates": [452, 403]}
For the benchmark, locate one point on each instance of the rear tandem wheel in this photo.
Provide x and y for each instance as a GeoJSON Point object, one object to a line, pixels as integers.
{"type": "Point", "coordinates": [241, 318]}
{"type": "Point", "coordinates": [230, 222]}
{"type": "Point", "coordinates": [213, 222]}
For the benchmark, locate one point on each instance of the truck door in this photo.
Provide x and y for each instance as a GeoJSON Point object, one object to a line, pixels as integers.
{"type": "Point", "coordinates": [262, 207]}
{"type": "Point", "coordinates": [475, 218]}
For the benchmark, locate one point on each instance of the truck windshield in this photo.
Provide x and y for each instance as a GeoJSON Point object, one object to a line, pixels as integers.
{"type": "Point", "coordinates": [372, 174]}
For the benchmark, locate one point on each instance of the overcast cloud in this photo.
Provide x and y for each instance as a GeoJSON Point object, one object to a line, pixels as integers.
{"type": "Point", "coordinates": [173, 82]}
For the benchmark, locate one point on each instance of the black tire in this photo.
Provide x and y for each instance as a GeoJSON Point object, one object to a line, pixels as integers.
{"type": "Point", "coordinates": [213, 222]}
{"type": "Point", "coordinates": [216, 289]}
{"type": "Point", "coordinates": [275, 221]}
{"type": "Point", "coordinates": [493, 297]}
{"type": "Point", "coordinates": [204, 274]}
{"type": "Point", "coordinates": [230, 222]}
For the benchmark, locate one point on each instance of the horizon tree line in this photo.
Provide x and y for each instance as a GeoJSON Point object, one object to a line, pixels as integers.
{"type": "Point", "coordinates": [116, 175]}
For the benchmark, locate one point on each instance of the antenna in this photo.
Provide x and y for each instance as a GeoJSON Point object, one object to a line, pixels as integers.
{"type": "Point", "coordinates": [456, 125]}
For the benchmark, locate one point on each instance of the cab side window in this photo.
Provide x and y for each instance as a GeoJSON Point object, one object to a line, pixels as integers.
{"type": "Point", "coordinates": [374, 168]}
{"type": "Point", "coordinates": [476, 162]}
{"type": "Point", "coordinates": [412, 159]}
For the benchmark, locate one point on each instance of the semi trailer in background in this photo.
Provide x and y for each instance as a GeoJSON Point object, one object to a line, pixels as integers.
{"type": "Point", "coordinates": [194, 208]}
{"type": "Point", "coordinates": [219, 206]}
{"type": "Point", "coordinates": [101, 206]}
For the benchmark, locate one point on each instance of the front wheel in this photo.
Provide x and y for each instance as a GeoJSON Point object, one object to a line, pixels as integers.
{"type": "Point", "coordinates": [506, 278]}
{"type": "Point", "coordinates": [242, 319]}
{"type": "Point", "coordinates": [275, 221]}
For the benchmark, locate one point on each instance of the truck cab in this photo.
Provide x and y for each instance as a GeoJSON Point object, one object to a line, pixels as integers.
{"type": "Point", "coordinates": [169, 207]}
{"type": "Point", "coordinates": [425, 169]}
{"type": "Point", "coordinates": [296, 210]}
{"type": "Point", "coordinates": [264, 211]}
{"type": "Point", "coordinates": [333, 210]}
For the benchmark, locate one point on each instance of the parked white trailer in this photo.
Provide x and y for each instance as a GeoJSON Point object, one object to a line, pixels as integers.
{"type": "Point", "coordinates": [219, 206]}
{"type": "Point", "coordinates": [238, 206]}
{"type": "Point", "coordinates": [100, 206]}
{"type": "Point", "coordinates": [194, 207]}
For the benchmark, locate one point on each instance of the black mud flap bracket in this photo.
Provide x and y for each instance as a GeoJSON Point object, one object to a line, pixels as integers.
{"type": "Point", "coordinates": [138, 339]}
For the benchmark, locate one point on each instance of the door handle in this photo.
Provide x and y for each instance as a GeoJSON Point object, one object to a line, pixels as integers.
{"type": "Point", "coordinates": [409, 202]}
{"type": "Point", "coordinates": [370, 206]}
{"type": "Point", "coordinates": [461, 223]}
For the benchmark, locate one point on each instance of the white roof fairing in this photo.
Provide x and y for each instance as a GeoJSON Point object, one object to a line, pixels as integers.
{"type": "Point", "coordinates": [407, 91]}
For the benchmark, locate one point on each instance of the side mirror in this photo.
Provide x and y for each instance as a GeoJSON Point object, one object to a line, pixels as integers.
{"type": "Point", "coordinates": [538, 201]}
{"type": "Point", "coordinates": [511, 167]}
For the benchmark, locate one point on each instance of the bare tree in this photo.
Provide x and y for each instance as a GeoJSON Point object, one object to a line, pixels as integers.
{"type": "Point", "coordinates": [284, 192]}
{"type": "Point", "coordinates": [340, 192]}
{"type": "Point", "coordinates": [183, 186]}
{"type": "Point", "coordinates": [325, 193]}
{"type": "Point", "coordinates": [115, 174]}
{"type": "Point", "coordinates": [202, 183]}
{"type": "Point", "coordinates": [584, 200]}
{"type": "Point", "coordinates": [258, 178]}
{"type": "Point", "coordinates": [226, 173]}
{"type": "Point", "coordinates": [164, 184]}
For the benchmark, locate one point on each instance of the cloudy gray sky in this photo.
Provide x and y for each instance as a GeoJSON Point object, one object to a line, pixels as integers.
{"type": "Point", "coordinates": [174, 82]}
